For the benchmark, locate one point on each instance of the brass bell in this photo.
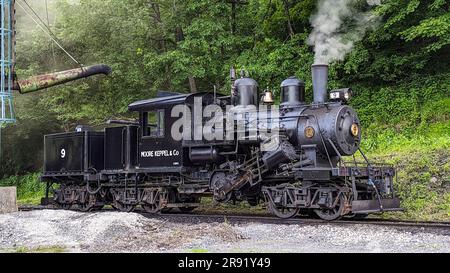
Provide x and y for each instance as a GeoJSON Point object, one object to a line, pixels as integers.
{"type": "Point", "coordinates": [268, 97]}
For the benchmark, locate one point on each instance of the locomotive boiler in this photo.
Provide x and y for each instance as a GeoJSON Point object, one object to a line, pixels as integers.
{"type": "Point", "coordinates": [297, 157]}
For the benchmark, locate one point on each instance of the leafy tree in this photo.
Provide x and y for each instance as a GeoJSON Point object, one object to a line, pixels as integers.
{"type": "Point", "coordinates": [399, 71]}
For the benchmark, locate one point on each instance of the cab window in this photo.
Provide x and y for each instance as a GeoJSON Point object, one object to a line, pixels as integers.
{"type": "Point", "coordinates": [153, 123]}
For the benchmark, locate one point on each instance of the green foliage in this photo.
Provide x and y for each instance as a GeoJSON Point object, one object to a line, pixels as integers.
{"type": "Point", "coordinates": [29, 188]}
{"type": "Point", "coordinates": [40, 249]}
{"type": "Point", "coordinates": [412, 39]}
{"type": "Point", "coordinates": [423, 180]}
{"type": "Point", "coordinates": [396, 70]}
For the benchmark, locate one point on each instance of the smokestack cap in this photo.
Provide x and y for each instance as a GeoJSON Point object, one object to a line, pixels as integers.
{"type": "Point", "coordinates": [245, 81]}
{"type": "Point", "coordinates": [292, 81]}
{"type": "Point", "coordinates": [247, 92]}
{"type": "Point", "coordinates": [292, 92]}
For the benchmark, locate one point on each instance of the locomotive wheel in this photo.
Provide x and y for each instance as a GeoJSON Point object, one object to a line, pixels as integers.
{"type": "Point", "coordinates": [217, 181]}
{"type": "Point", "coordinates": [331, 214]}
{"type": "Point", "coordinates": [283, 212]}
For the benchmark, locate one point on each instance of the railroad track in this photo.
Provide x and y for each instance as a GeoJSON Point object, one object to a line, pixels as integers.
{"type": "Point", "coordinates": [243, 218]}
{"type": "Point", "coordinates": [301, 220]}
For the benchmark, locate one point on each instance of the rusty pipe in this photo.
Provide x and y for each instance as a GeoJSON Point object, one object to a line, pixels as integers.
{"type": "Point", "coordinates": [40, 82]}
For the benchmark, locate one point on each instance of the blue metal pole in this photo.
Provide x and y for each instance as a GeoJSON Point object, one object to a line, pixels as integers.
{"type": "Point", "coordinates": [6, 65]}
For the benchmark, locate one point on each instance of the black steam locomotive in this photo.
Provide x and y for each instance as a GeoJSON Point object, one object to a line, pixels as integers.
{"type": "Point", "coordinates": [298, 158]}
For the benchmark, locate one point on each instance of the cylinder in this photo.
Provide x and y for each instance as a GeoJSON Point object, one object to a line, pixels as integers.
{"type": "Point", "coordinates": [320, 82]}
{"type": "Point", "coordinates": [285, 153]}
{"type": "Point", "coordinates": [292, 92]}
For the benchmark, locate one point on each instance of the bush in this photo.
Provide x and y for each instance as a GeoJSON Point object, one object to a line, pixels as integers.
{"type": "Point", "coordinates": [29, 187]}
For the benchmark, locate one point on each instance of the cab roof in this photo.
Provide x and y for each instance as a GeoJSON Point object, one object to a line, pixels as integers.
{"type": "Point", "coordinates": [169, 99]}
{"type": "Point", "coordinates": [157, 103]}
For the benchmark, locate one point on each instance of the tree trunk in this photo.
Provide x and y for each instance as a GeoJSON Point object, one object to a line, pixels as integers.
{"type": "Point", "coordinates": [179, 36]}
{"type": "Point", "coordinates": [288, 17]}
{"type": "Point", "coordinates": [233, 18]}
{"type": "Point", "coordinates": [192, 84]}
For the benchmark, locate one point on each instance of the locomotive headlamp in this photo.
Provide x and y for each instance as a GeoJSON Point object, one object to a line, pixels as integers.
{"type": "Point", "coordinates": [343, 94]}
{"type": "Point", "coordinates": [309, 132]}
{"type": "Point", "coordinates": [355, 129]}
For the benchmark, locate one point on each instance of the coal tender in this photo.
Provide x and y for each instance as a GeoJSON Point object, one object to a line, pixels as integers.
{"type": "Point", "coordinates": [298, 158]}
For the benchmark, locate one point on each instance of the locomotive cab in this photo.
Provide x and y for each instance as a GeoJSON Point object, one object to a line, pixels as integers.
{"type": "Point", "coordinates": [156, 147]}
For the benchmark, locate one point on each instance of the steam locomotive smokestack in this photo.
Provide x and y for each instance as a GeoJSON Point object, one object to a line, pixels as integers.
{"type": "Point", "coordinates": [320, 82]}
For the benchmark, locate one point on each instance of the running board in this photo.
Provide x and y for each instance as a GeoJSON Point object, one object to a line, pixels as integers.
{"type": "Point", "coordinates": [369, 206]}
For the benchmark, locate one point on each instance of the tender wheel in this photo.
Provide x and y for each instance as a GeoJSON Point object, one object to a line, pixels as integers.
{"type": "Point", "coordinates": [124, 207]}
{"type": "Point", "coordinates": [89, 203]}
{"type": "Point", "coordinates": [155, 207]}
{"type": "Point", "coordinates": [59, 201]}
{"type": "Point", "coordinates": [331, 214]}
{"type": "Point", "coordinates": [151, 208]}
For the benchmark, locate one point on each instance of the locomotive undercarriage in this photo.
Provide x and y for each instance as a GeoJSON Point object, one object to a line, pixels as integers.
{"type": "Point", "coordinates": [158, 194]}
{"type": "Point", "coordinates": [352, 189]}
{"type": "Point", "coordinates": [286, 191]}
{"type": "Point", "coordinates": [328, 202]}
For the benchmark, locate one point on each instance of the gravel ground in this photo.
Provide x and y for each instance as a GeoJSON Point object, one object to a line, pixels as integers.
{"type": "Point", "coordinates": [130, 232]}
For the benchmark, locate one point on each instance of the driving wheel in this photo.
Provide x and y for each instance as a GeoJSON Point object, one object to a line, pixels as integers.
{"type": "Point", "coordinates": [330, 214]}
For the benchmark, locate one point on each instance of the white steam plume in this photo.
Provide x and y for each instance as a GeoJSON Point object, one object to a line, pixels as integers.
{"type": "Point", "coordinates": [337, 26]}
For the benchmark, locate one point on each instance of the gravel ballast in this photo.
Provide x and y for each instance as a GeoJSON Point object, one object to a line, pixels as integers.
{"type": "Point", "coordinates": [131, 232]}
